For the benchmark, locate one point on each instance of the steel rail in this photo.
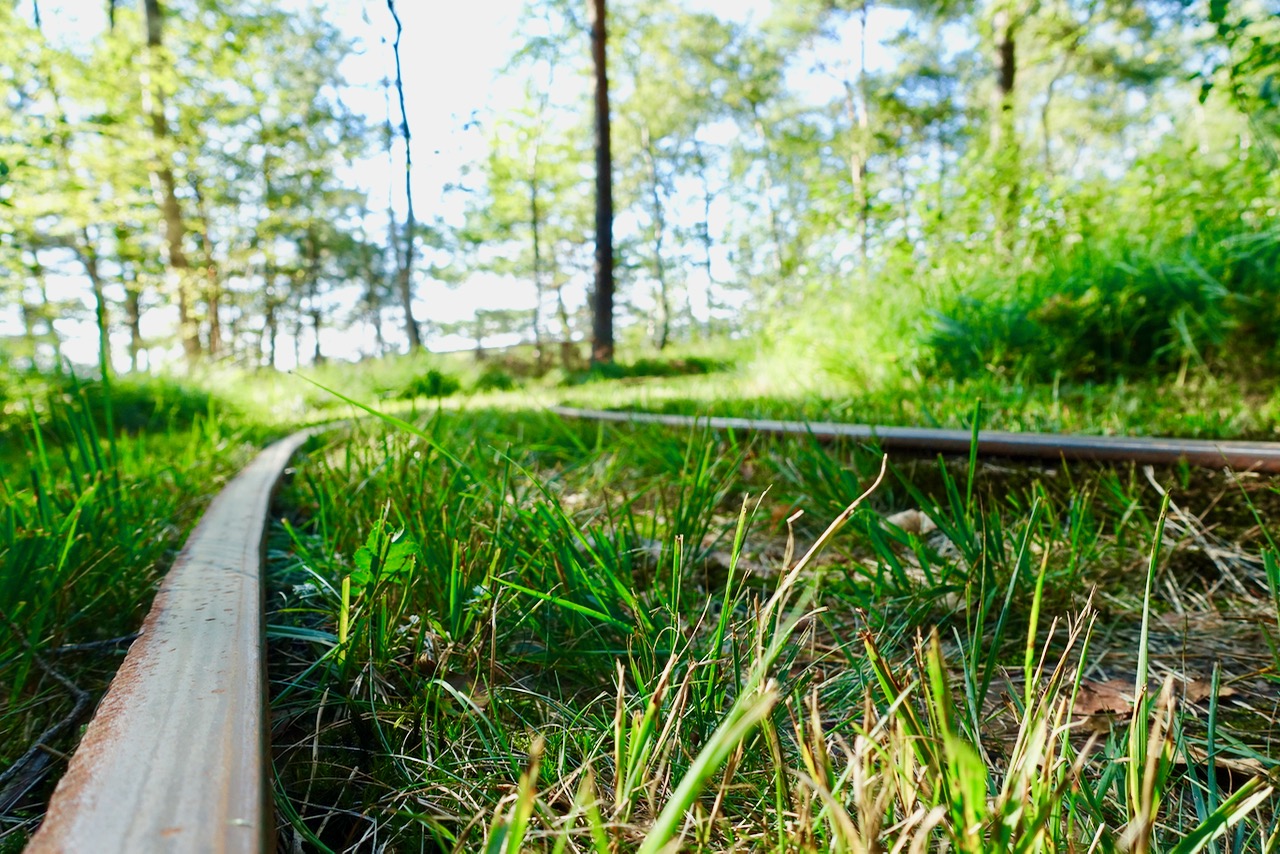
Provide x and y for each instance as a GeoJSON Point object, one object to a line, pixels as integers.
{"type": "Point", "coordinates": [1242, 456]}
{"type": "Point", "coordinates": [177, 754]}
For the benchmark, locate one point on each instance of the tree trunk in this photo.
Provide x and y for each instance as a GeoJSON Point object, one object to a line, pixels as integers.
{"type": "Point", "coordinates": [31, 314]}
{"type": "Point", "coordinates": [704, 235]}
{"type": "Point", "coordinates": [662, 315]}
{"type": "Point", "coordinates": [163, 184]}
{"type": "Point", "coordinates": [602, 302]}
{"type": "Point", "coordinates": [298, 325]}
{"type": "Point", "coordinates": [567, 352]}
{"type": "Point", "coordinates": [380, 342]}
{"type": "Point", "coordinates": [775, 225]}
{"type": "Point", "coordinates": [859, 150]}
{"type": "Point", "coordinates": [133, 322]}
{"type": "Point", "coordinates": [312, 256]}
{"type": "Point", "coordinates": [270, 328]}
{"type": "Point", "coordinates": [405, 277]}
{"type": "Point", "coordinates": [535, 225]}
{"type": "Point", "coordinates": [88, 256]}
{"type": "Point", "coordinates": [213, 289]}
{"type": "Point", "coordinates": [373, 303]}
{"type": "Point", "coordinates": [51, 335]}
{"type": "Point", "coordinates": [29, 330]}
{"type": "Point", "coordinates": [1004, 142]}
{"type": "Point", "coordinates": [317, 357]}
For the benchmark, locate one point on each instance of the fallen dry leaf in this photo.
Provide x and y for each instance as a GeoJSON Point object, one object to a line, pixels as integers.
{"type": "Point", "coordinates": [1113, 696]}
{"type": "Point", "coordinates": [1200, 690]}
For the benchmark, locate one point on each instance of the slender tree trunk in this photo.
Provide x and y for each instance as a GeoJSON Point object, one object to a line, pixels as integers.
{"type": "Point", "coordinates": [212, 289]}
{"type": "Point", "coordinates": [233, 337]}
{"type": "Point", "coordinates": [298, 325]}
{"type": "Point", "coordinates": [29, 329]}
{"type": "Point", "coordinates": [317, 357]}
{"type": "Point", "coordinates": [704, 234]}
{"type": "Point", "coordinates": [1004, 142]}
{"type": "Point", "coordinates": [163, 183]}
{"type": "Point", "coordinates": [33, 312]}
{"type": "Point", "coordinates": [379, 340]}
{"type": "Point", "coordinates": [133, 320]}
{"type": "Point", "coordinates": [132, 296]}
{"type": "Point", "coordinates": [662, 316]}
{"type": "Point", "coordinates": [374, 297]}
{"type": "Point", "coordinates": [405, 278]}
{"type": "Point", "coordinates": [270, 329]}
{"type": "Point", "coordinates": [775, 225]}
{"type": "Point", "coordinates": [51, 336]}
{"type": "Point", "coordinates": [88, 255]}
{"type": "Point", "coordinates": [312, 256]}
{"type": "Point", "coordinates": [567, 352]}
{"type": "Point", "coordinates": [30, 316]}
{"type": "Point", "coordinates": [859, 150]}
{"type": "Point", "coordinates": [602, 303]}
{"type": "Point", "coordinates": [535, 227]}
{"type": "Point", "coordinates": [85, 251]}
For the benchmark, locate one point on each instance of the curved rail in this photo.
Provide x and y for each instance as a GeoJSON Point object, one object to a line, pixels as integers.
{"type": "Point", "coordinates": [176, 756]}
{"type": "Point", "coordinates": [1242, 456]}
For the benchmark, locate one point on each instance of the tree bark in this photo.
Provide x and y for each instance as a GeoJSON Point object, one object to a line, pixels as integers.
{"type": "Point", "coordinates": [602, 301]}
{"type": "Point", "coordinates": [163, 183]}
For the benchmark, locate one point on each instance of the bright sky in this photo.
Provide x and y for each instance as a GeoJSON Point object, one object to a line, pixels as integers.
{"type": "Point", "coordinates": [451, 53]}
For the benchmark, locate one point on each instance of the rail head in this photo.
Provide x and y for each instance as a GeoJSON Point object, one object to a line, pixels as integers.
{"type": "Point", "coordinates": [1242, 456]}
{"type": "Point", "coordinates": [176, 756]}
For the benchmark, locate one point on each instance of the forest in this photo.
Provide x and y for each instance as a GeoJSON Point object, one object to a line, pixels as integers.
{"type": "Point", "coordinates": [982, 179]}
{"type": "Point", "coordinates": [444, 254]}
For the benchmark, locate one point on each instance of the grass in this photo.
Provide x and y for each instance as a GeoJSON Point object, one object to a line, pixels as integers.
{"type": "Point", "coordinates": [501, 632]}
{"type": "Point", "coordinates": [494, 630]}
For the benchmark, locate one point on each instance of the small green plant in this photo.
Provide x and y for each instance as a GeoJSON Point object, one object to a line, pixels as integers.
{"type": "Point", "coordinates": [494, 378]}
{"type": "Point", "coordinates": [433, 383]}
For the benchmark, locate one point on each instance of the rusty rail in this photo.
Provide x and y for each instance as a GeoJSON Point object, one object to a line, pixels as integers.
{"type": "Point", "coordinates": [176, 756]}
{"type": "Point", "coordinates": [1242, 456]}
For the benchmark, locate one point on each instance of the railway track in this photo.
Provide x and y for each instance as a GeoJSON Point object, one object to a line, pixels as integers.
{"type": "Point", "coordinates": [176, 757]}
{"type": "Point", "coordinates": [1242, 456]}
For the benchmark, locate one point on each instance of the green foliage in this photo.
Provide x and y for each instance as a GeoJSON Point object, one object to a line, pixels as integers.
{"type": "Point", "coordinates": [433, 383]}
{"type": "Point", "coordinates": [678, 366]}
{"type": "Point", "coordinates": [139, 403]}
{"type": "Point", "coordinates": [386, 555]}
{"type": "Point", "coordinates": [1101, 313]}
{"type": "Point", "coordinates": [494, 378]}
